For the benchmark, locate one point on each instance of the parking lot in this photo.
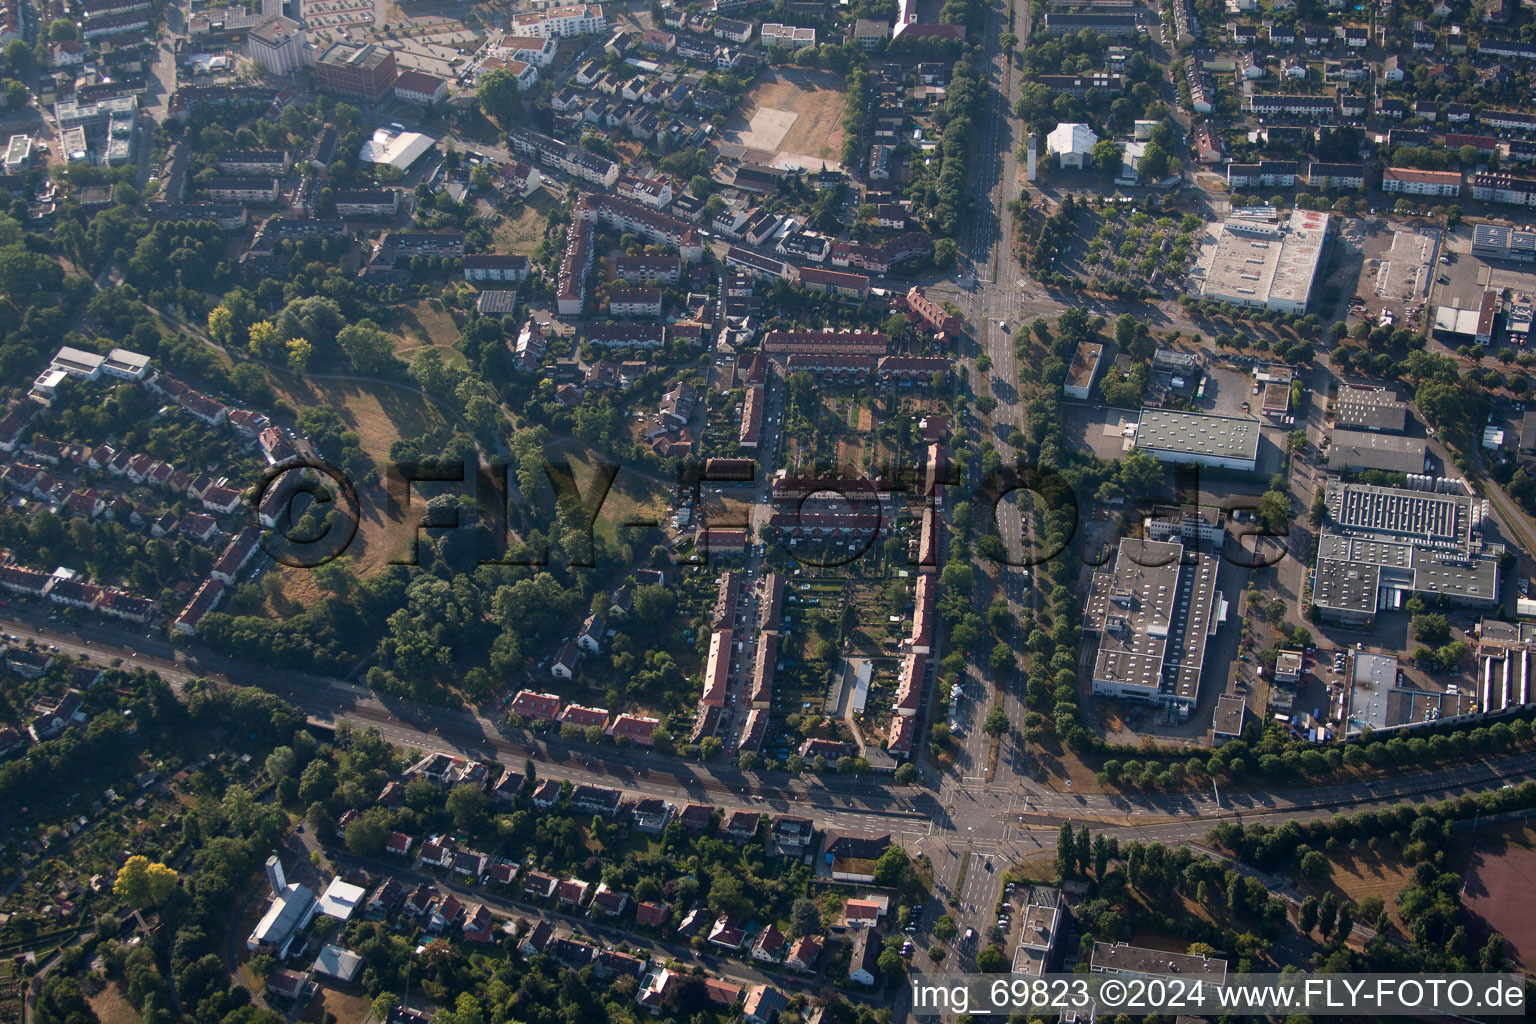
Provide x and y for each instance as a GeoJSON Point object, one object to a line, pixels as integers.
{"type": "Point", "coordinates": [1228, 392]}
{"type": "Point", "coordinates": [1463, 281]}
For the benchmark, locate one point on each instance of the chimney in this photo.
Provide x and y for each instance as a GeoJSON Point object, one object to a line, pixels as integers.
{"type": "Point", "coordinates": [275, 874]}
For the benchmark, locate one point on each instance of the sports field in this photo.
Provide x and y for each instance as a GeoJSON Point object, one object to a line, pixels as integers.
{"type": "Point", "coordinates": [1501, 892]}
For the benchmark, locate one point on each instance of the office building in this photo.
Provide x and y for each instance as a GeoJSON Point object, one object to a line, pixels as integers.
{"type": "Point", "coordinates": [362, 72]}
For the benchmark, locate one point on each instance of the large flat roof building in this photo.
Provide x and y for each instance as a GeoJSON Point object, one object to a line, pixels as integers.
{"type": "Point", "coordinates": [1363, 449]}
{"type": "Point", "coordinates": [1379, 545]}
{"type": "Point", "coordinates": [1141, 962]}
{"type": "Point", "coordinates": [1506, 664]}
{"type": "Point", "coordinates": [1356, 408]}
{"type": "Point", "coordinates": [1377, 701]}
{"type": "Point", "coordinates": [1258, 262]}
{"type": "Point", "coordinates": [1473, 322]}
{"type": "Point", "coordinates": [1223, 442]}
{"type": "Point", "coordinates": [396, 148]}
{"type": "Point", "coordinates": [1154, 611]}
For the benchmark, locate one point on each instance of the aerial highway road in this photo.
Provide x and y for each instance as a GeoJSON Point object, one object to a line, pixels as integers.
{"type": "Point", "coordinates": [988, 814]}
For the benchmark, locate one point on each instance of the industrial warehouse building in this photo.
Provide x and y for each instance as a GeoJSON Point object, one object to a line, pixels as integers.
{"type": "Point", "coordinates": [1468, 323]}
{"type": "Point", "coordinates": [1154, 612]}
{"type": "Point", "coordinates": [1222, 442]}
{"type": "Point", "coordinates": [1369, 408]}
{"type": "Point", "coordinates": [1363, 449]}
{"type": "Point", "coordinates": [1379, 545]}
{"type": "Point", "coordinates": [1257, 261]}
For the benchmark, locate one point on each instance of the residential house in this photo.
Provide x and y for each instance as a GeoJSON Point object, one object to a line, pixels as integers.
{"type": "Point", "coordinates": [864, 954]}
{"type": "Point", "coordinates": [572, 893]}
{"type": "Point", "coordinates": [726, 934]}
{"type": "Point", "coordinates": [762, 1005]}
{"type": "Point", "coordinates": [537, 885]}
{"type": "Point", "coordinates": [769, 946]}
{"type": "Point", "coordinates": [607, 903]}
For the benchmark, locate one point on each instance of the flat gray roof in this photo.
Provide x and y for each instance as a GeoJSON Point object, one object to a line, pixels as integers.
{"type": "Point", "coordinates": [1154, 614]}
{"type": "Point", "coordinates": [1369, 409]}
{"type": "Point", "coordinates": [1264, 263]}
{"type": "Point", "coordinates": [1123, 959]}
{"type": "Point", "coordinates": [1229, 715]}
{"type": "Point", "coordinates": [1390, 538]}
{"type": "Point", "coordinates": [1195, 433]}
{"type": "Point", "coordinates": [1423, 515]}
{"type": "Point", "coordinates": [1365, 449]}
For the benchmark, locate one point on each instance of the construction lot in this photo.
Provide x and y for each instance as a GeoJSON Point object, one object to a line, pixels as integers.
{"type": "Point", "coordinates": [1400, 263]}
{"type": "Point", "coordinates": [792, 118]}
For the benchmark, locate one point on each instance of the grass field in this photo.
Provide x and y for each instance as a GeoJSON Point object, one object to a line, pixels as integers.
{"type": "Point", "coordinates": [345, 1007]}
{"type": "Point", "coordinates": [795, 116]}
{"type": "Point", "coordinates": [112, 1008]}
{"type": "Point", "coordinates": [632, 496]}
{"type": "Point", "coordinates": [1499, 877]}
{"type": "Point", "coordinates": [381, 415]}
{"type": "Point", "coordinates": [1366, 873]}
{"type": "Point", "coordinates": [426, 322]}
{"type": "Point", "coordinates": [521, 232]}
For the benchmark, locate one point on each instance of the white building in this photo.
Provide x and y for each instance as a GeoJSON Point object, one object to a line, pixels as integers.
{"type": "Point", "coordinates": [280, 46]}
{"type": "Point", "coordinates": [420, 88]}
{"type": "Point", "coordinates": [1222, 442]}
{"type": "Point", "coordinates": [1259, 262]}
{"type": "Point", "coordinates": [1414, 182]}
{"type": "Point", "coordinates": [1072, 143]}
{"type": "Point", "coordinates": [561, 22]}
{"type": "Point", "coordinates": [787, 36]}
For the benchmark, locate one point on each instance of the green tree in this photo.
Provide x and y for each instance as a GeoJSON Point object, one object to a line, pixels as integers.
{"type": "Point", "coordinates": [366, 835]}
{"type": "Point", "coordinates": [1306, 918]}
{"type": "Point", "coordinates": [996, 722]}
{"type": "Point", "coordinates": [992, 960]}
{"type": "Point", "coordinates": [1327, 913]}
{"type": "Point", "coordinates": [1066, 851]}
{"type": "Point", "coordinates": [370, 349]}
{"type": "Point", "coordinates": [264, 340]}
{"type": "Point", "coordinates": [1346, 923]}
{"type": "Point", "coordinates": [299, 353]}
{"type": "Point", "coordinates": [1432, 629]}
{"type": "Point", "coordinates": [499, 96]}
{"type": "Point", "coordinates": [466, 802]}
{"type": "Point", "coordinates": [280, 763]}
{"type": "Point", "coordinates": [804, 917]}
{"type": "Point", "coordinates": [63, 30]}
{"type": "Point", "coordinates": [1314, 865]}
{"type": "Point", "coordinates": [144, 884]}
{"type": "Point", "coordinates": [906, 773]}
{"type": "Point", "coordinates": [221, 324]}
{"type": "Point", "coordinates": [1107, 157]}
